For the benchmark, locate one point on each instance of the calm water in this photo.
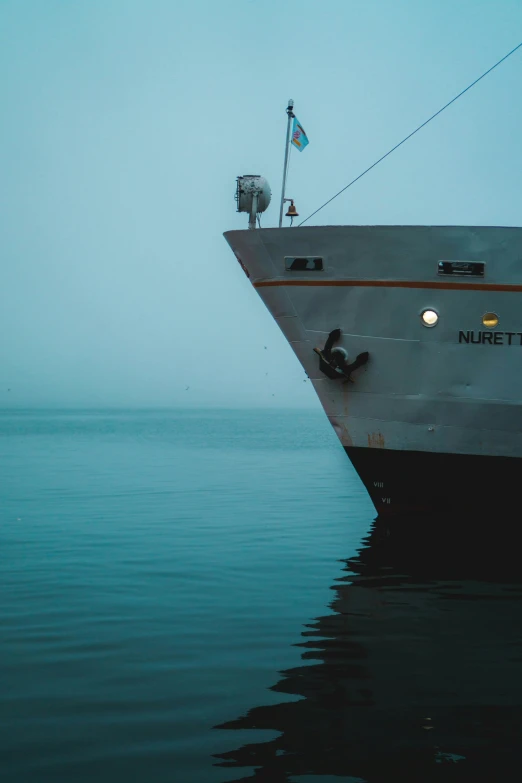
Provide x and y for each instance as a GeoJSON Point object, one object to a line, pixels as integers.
{"type": "Point", "coordinates": [204, 596]}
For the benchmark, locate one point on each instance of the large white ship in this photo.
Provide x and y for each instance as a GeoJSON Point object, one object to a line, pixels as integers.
{"type": "Point", "coordinates": [412, 338]}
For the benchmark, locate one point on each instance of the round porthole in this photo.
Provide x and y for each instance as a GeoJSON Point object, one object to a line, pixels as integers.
{"type": "Point", "coordinates": [490, 320]}
{"type": "Point", "coordinates": [429, 318]}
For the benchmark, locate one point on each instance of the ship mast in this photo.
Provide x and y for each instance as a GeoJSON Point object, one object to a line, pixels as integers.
{"type": "Point", "coordinates": [290, 113]}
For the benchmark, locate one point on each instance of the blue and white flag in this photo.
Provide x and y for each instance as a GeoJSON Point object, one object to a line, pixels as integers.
{"type": "Point", "coordinates": [299, 137]}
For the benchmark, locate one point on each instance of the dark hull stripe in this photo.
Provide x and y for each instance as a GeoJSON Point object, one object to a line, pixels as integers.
{"type": "Point", "coordinates": [413, 482]}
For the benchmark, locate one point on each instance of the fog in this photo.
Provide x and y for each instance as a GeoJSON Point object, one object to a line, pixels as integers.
{"type": "Point", "coordinates": [124, 125]}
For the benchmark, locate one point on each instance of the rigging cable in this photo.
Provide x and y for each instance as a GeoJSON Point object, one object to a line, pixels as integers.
{"type": "Point", "coordinates": [412, 133]}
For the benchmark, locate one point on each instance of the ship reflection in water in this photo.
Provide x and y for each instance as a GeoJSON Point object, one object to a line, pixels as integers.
{"type": "Point", "coordinates": [417, 674]}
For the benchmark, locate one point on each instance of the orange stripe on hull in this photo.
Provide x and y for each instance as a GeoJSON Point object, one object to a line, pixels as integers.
{"type": "Point", "coordinates": [392, 284]}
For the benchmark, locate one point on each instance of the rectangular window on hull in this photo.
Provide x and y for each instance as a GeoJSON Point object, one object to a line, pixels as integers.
{"type": "Point", "coordinates": [462, 268]}
{"type": "Point", "coordinates": [303, 264]}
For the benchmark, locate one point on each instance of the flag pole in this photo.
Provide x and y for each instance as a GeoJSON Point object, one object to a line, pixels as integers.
{"type": "Point", "coordinates": [290, 113]}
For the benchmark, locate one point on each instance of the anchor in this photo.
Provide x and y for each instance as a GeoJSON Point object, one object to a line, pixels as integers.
{"type": "Point", "coordinates": [332, 361]}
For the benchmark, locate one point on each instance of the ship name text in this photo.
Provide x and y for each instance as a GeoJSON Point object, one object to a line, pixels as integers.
{"type": "Point", "coordinates": [490, 338]}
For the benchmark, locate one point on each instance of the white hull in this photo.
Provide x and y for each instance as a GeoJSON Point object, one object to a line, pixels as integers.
{"type": "Point", "coordinates": [428, 390]}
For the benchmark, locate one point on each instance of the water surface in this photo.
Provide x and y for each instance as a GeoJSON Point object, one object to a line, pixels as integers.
{"type": "Point", "coordinates": [204, 596]}
{"type": "Point", "coordinates": [155, 570]}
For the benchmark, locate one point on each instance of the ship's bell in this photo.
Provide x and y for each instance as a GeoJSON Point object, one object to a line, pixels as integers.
{"type": "Point", "coordinates": [292, 211]}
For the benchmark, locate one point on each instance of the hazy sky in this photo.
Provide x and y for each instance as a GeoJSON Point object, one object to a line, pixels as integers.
{"type": "Point", "coordinates": [124, 124]}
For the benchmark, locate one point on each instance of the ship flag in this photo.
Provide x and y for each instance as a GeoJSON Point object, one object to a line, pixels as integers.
{"type": "Point", "coordinates": [299, 137]}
